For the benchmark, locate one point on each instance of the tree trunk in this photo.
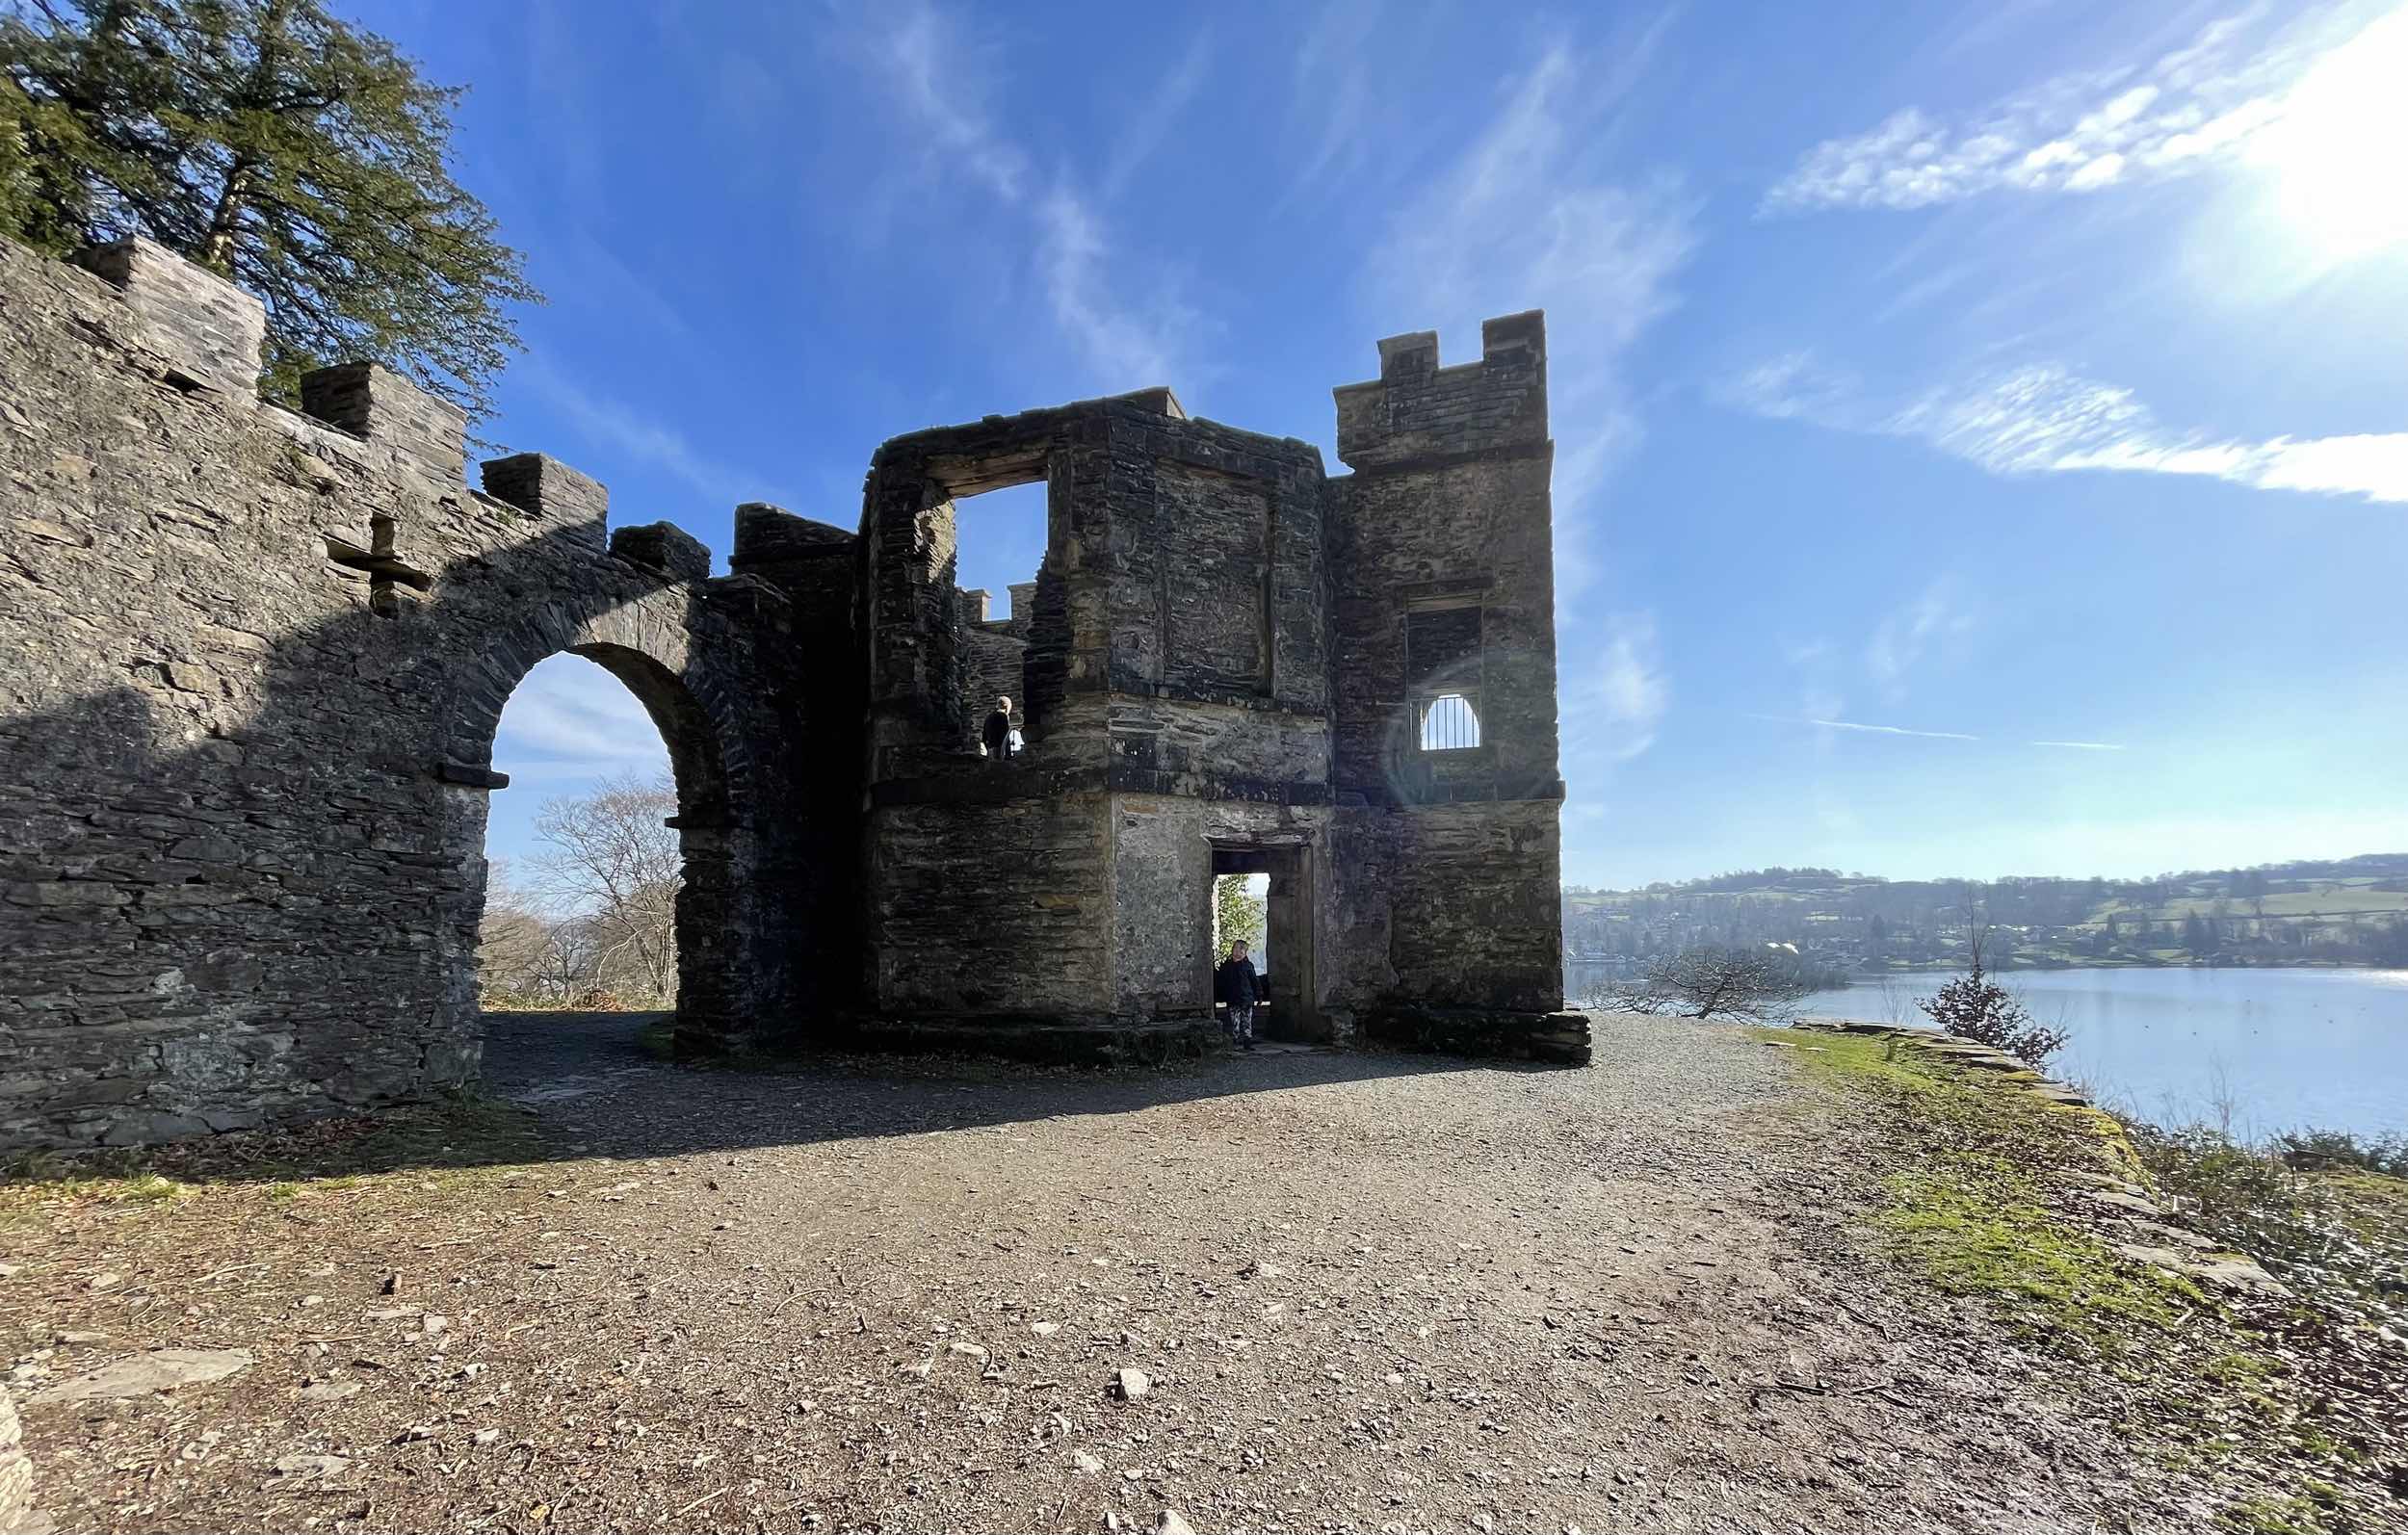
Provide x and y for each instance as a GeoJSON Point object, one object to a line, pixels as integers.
{"type": "Point", "coordinates": [226, 220]}
{"type": "Point", "coordinates": [217, 249]}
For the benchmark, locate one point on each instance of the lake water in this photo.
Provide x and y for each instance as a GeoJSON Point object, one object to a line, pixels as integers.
{"type": "Point", "coordinates": [2293, 1047]}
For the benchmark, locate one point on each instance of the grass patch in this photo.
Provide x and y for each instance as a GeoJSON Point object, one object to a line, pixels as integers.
{"type": "Point", "coordinates": [1975, 1227]}
{"type": "Point", "coordinates": [1970, 1210]}
{"type": "Point", "coordinates": [2284, 1407]}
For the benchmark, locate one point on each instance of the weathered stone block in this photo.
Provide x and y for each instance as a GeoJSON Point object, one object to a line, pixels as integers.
{"type": "Point", "coordinates": [664, 547]}
{"type": "Point", "coordinates": [578, 505]}
{"type": "Point", "coordinates": [424, 433]}
{"type": "Point", "coordinates": [210, 329]}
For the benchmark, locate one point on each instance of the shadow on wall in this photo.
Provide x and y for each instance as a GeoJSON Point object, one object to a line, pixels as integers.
{"type": "Point", "coordinates": [256, 665]}
{"type": "Point", "coordinates": [250, 881]}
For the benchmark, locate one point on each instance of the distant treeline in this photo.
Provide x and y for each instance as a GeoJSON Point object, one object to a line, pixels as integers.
{"type": "Point", "coordinates": [2347, 912]}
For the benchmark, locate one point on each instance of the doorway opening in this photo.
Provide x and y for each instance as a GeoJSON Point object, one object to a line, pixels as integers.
{"type": "Point", "coordinates": [591, 862]}
{"type": "Point", "coordinates": [1271, 884]}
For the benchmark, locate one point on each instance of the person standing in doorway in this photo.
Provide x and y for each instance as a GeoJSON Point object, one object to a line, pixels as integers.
{"type": "Point", "coordinates": [1235, 983]}
{"type": "Point", "coordinates": [1000, 740]}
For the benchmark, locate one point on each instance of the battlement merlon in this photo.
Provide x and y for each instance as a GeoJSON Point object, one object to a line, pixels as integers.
{"type": "Point", "coordinates": [1417, 412]}
{"type": "Point", "coordinates": [768, 536]}
{"type": "Point", "coordinates": [209, 332]}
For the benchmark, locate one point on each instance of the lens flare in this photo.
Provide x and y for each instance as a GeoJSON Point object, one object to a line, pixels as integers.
{"type": "Point", "coordinates": [2340, 150]}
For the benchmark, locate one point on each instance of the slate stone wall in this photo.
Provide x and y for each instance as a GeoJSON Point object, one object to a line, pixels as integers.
{"type": "Point", "coordinates": [1443, 562]}
{"type": "Point", "coordinates": [258, 657]}
{"type": "Point", "coordinates": [997, 909]}
{"type": "Point", "coordinates": [1235, 649]}
{"type": "Point", "coordinates": [256, 663]}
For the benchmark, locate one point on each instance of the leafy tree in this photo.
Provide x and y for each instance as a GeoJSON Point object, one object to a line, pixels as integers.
{"type": "Point", "coordinates": [1238, 914]}
{"type": "Point", "coordinates": [268, 140]}
{"type": "Point", "coordinates": [1974, 1006]}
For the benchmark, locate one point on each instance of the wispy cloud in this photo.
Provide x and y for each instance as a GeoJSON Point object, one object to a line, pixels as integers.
{"type": "Point", "coordinates": [1126, 348]}
{"type": "Point", "coordinates": [1524, 217]}
{"type": "Point", "coordinates": [1166, 101]}
{"type": "Point", "coordinates": [936, 74]}
{"type": "Point", "coordinates": [1614, 707]}
{"type": "Point", "coordinates": [1936, 615]}
{"type": "Point", "coordinates": [1333, 98]}
{"type": "Point", "coordinates": [1861, 727]}
{"type": "Point", "coordinates": [570, 718]}
{"type": "Point", "coordinates": [613, 426]}
{"type": "Point", "coordinates": [2195, 107]}
{"type": "Point", "coordinates": [2045, 419]}
{"type": "Point", "coordinates": [1873, 730]}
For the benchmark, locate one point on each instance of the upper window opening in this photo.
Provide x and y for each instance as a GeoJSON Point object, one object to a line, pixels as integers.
{"type": "Point", "coordinates": [1449, 723]}
{"type": "Point", "coordinates": [999, 540]}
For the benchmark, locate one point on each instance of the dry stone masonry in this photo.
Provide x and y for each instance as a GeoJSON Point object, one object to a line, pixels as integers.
{"type": "Point", "coordinates": [255, 660]}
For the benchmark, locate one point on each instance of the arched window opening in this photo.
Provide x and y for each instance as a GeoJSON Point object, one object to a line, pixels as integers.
{"type": "Point", "coordinates": [1449, 723]}
{"type": "Point", "coordinates": [582, 869]}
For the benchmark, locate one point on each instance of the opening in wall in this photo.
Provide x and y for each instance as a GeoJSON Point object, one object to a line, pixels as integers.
{"type": "Point", "coordinates": [999, 540]}
{"type": "Point", "coordinates": [579, 942]}
{"type": "Point", "coordinates": [1443, 656]}
{"type": "Point", "coordinates": [1265, 894]}
{"type": "Point", "coordinates": [1450, 723]}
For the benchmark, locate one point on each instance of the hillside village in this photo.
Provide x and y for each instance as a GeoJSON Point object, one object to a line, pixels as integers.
{"type": "Point", "coordinates": [2349, 912]}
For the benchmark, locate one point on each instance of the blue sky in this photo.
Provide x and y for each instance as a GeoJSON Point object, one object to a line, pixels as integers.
{"type": "Point", "coordinates": [1982, 434]}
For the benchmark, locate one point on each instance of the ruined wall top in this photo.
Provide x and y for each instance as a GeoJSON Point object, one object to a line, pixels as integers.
{"type": "Point", "coordinates": [200, 334]}
{"type": "Point", "coordinates": [1416, 411]}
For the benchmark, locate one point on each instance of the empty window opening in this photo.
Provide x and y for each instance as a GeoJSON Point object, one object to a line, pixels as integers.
{"type": "Point", "coordinates": [581, 872]}
{"type": "Point", "coordinates": [999, 541]}
{"type": "Point", "coordinates": [1449, 723]}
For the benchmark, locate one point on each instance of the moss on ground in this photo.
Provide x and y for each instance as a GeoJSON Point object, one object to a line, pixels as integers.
{"type": "Point", "coordinates": [1972, 1210]}
{"type": "Point", "coordinates": [1983, 1201]}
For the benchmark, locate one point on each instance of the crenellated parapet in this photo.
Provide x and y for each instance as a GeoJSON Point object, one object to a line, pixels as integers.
{"type": "Point", "coordinates": [1417, 412]}
{"type": "Point", "coordinates": [208, 335]}
{"type": "Point", "coordinates": [257, 660]}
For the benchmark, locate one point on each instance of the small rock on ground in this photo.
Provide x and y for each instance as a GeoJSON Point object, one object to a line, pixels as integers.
{"type": "Point", "coordinates": [145, 1373]}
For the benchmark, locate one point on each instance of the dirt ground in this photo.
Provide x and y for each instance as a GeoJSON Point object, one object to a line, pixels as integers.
{"type": "Point", "coordinates": [1364, 1293]}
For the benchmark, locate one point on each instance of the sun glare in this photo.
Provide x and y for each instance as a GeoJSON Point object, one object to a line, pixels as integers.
{"type": "Point", "coordinates": [2340, 150]}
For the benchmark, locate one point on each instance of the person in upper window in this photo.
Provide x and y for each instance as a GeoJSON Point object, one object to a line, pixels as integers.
{"type": "Point", "coordinates": [999, 739]}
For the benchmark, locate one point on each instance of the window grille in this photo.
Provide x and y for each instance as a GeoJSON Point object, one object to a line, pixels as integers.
{"type": "Point", "coordinates": [1449, 723]}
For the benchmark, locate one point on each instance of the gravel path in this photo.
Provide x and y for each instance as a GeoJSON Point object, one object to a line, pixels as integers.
{"type": "Point", "coordinates": [1364, 1293]}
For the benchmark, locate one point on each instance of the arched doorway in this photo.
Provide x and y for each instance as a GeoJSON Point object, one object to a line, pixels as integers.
{"type": "Point", "coordinates": [649, 923]}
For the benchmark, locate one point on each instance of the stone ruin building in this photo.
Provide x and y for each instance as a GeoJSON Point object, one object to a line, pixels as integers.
{"type": "Point", "coordinates": [254, 661]}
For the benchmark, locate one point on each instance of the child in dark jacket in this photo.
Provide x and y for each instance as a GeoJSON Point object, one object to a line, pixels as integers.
{"type": "Point", "coordinates": [1236, 984]}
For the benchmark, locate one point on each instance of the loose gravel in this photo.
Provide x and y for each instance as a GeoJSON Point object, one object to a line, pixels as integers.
{"type": "Point", "coordinates": [1295, 1292]}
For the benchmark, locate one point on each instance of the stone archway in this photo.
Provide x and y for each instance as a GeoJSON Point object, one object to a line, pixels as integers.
{"type": "Point", "coordinates": [646, 643]}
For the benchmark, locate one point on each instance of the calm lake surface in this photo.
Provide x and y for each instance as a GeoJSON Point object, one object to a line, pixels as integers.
{"type": "Point", "coordinates": [2293, 1047]}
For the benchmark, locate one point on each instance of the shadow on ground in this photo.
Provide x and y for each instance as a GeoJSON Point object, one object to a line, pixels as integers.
{"type": "Point", "coordinates": [560, 1086]}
